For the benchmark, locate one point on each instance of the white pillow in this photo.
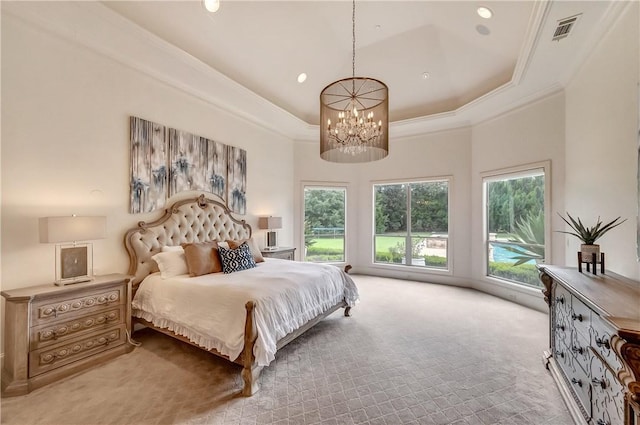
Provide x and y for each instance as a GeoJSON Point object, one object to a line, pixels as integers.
{"type": "Point", "coordinates": [172, 248]}
{"type": "Point", "coordinates": [171, 263]}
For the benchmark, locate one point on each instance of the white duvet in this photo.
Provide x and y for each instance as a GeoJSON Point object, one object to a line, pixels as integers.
{"type": "Point", "coordinates": [210, 309]}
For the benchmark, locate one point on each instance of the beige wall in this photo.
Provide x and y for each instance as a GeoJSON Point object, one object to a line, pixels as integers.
{"type": "Point", "coordinates": [602, 142]}
{"type": "Point", "coordinates": [442, 154]}
{"type": "Point", "coordinates": [65, 148]}
{"type": "Point", "coordinates": [531, 134]}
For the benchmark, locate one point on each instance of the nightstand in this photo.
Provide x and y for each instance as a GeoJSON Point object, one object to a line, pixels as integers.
{"type": "Point", "coordinates": [55, 331]}
{"type": "Point", "coordinates": [284, 253]}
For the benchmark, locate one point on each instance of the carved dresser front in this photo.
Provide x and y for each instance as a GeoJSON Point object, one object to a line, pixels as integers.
{"type": "Point", "coordinates": [52, 331]}
{"type": "Point", "coordinates": [594, 344]}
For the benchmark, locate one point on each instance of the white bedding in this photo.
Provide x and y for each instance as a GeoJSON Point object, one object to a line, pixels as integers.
{"type": "Point", "coordinates": [210, 309]}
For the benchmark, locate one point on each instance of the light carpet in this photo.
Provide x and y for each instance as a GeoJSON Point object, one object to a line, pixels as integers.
{"type": "Point", "coordinates": [413, 353]}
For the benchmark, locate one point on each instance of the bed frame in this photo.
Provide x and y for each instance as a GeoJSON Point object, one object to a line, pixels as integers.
{"type": "Point", "coordinates": [202, 220]}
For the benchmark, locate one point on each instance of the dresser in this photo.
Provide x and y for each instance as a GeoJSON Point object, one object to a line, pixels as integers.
{"type": "Point", "coordinates": [54, 331]}
{"type": "Point", "coordinates": [594, 344]}
{"type": "Point", "coordinates": [284, 253]}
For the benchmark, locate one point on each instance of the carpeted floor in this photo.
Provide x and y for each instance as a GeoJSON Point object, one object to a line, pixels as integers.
{"type": "Point", "coordinates": [413, 353]}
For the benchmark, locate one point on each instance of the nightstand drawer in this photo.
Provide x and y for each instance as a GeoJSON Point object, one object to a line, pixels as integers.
{"type": "Point", "coordinates": [54, 333]}
{"type": "Point", "coordinates": [46, 359]}
{"type": "Point", "coordinates": [48, 311]}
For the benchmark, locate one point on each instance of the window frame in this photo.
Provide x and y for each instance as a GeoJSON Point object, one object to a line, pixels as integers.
{"type": "Point", "coordinates": [332, 186]}
{"type": "Point", "coordinates": [524, 170]}
{"type": "Point", "coordinates": [405, 267]}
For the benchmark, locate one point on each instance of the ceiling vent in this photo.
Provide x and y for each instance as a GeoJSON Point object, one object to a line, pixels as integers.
{"type": "Point", "coordinates": [564, 27]}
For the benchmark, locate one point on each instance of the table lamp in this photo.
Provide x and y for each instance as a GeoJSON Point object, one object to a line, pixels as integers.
{"type": "Point", "coordinates": [74, 261]}
{"type": "Point", "coordinates": [270, 223]}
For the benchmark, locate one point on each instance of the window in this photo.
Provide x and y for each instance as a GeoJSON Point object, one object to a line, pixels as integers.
{"type": "Point", "coordinates": [515, 225]}
{"type": "Point", "coordinates": [412, 223]}
{"type": "Point", "coordinates": [324, 218]}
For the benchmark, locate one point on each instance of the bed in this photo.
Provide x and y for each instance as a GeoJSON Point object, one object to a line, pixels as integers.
{"type": "Point", "coordinates": [244, 316]}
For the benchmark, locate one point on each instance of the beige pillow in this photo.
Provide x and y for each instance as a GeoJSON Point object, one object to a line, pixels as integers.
{"type": "Point", "coordinates": [253, 246]}
{"type": "Point", "coordinates": [202, 258]}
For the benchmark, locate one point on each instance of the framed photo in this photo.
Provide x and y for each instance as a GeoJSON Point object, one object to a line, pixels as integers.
{"type": "Point", "coordinates": [74, 263]}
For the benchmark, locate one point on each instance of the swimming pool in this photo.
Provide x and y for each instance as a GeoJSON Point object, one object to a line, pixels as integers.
{"type": "Point", "coordinates": [501, 255]}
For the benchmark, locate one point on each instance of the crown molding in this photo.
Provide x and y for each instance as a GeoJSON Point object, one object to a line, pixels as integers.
{"type": "Point", "coordinates": [98, 28]}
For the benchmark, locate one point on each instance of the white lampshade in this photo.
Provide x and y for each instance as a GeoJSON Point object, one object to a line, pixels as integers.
{"type": "Point", "coordinates": [270, 223]}
{"type": "Point", "coordinates": [72, 229]}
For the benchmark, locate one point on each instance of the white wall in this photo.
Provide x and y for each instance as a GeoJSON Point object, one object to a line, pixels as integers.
{"type": "Point", "coordinates": [530, 134]}
{"type": "Point", "coordinates": [441, 154]}
{"type": "Point", "coordinates": [602, 142]}
{"type": "Point", "coordinates": [65, 148]}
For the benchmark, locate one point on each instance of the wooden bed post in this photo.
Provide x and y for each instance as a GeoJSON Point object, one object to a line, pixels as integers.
{"type": "Point", "coordinates": [347, 309]}
{"type": "Point", "coordinates": [250, 371]}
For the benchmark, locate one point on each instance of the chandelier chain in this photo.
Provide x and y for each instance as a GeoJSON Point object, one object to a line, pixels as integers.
{"type": "Point", "coordinates": [353, 58]}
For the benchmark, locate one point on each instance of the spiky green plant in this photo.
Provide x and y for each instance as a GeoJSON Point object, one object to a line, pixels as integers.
{"type": "Point", "coordinates": [589, 235]}
{"type": "Point", "coordinates": [529, 237]}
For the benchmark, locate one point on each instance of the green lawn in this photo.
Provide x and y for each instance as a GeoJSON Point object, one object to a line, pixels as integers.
{"type": "Point", "coordinates": [383, 243]}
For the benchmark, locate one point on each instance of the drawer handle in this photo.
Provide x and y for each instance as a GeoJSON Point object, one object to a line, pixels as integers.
{"type": "Point", "coordinates": [601, 342]}
{"type": "Point", "coordinates": [561, 354]}
{"type": "Point", "coordinates": [560, 327]}
{"type": "Point", "coordinates": [578, 350]}
{"type": "Point", "coordinates": [576, 381]}
{"type": "Point", "coordinates": [577, 317]}
{"type": "Point", "coordinates": [560, 299]}
{"type": "Point", "coordinates": [601, 382]}
{"type": "Point", "coordinates": [602, 422]}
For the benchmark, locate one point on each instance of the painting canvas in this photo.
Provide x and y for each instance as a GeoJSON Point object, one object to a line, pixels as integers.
{"type": "Point", "coordinates": [148, 182]}
{"type": "Point", "coordinates": [167, 161]}
{"type": "Point", "coordinates": [237, 180]}
{"type": "Point", "coordinates": [188, 157]}
{"type": "Point", "coordinates": [216, 171]}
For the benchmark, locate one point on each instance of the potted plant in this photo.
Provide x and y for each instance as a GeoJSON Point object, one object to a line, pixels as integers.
{"type": "Point", "coordinates": [589, 235]}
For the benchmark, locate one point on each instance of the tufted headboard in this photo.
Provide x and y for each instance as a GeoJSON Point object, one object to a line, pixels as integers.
{"type": "Point", "coordinates": [189, 220]}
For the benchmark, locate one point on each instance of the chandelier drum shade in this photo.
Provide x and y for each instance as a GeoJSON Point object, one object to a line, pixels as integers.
{"type": "Point", "coordinates": [354, 117]}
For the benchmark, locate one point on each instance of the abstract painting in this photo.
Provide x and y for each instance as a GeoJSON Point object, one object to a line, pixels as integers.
{"type": "Point", "coordinates": [237, 180]}
{"type": "Point", "coordinates": [188, 162]}
{"type": "Point", "coordinates": [216, 171]}
{"type": "Point", "coordinates": [148, 166]}
{"type": "Point", "coordinates": [166, 161]}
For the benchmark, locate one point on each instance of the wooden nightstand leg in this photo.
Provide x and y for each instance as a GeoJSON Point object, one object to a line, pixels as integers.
{"type": "Point", "coordinates": [15, 372]}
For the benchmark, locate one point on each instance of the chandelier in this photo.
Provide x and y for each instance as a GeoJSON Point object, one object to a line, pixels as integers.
{"type": "Point", "coordinates": [354, 124]}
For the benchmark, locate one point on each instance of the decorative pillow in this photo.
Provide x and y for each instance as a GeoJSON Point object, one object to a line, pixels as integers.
{"type": "Point", "coordinates": [202, 258]}
{"type": "Point", "coordinates": [253, 246]}
{"type": "Point", "coordinates": [171, 263]}
{"type": "Point", "coordinates": [172, 248]}
{"type": "Point", "coordinates": [235, 260]}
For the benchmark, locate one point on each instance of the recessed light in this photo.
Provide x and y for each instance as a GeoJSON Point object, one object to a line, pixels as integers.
{"type": "Point", "coordinates": [302, 77]}
{"type": "Point", "coordinates": [211, 5]}
{"type": "Point", "coordinates": [485, 12]}
{"type": "Point", "coordinates": [378, 27]}
{"type": "Point", "coordinates": [426, 75]}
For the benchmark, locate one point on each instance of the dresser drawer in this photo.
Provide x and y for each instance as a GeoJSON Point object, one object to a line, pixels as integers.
{"type": "Point", "coordinates": [601, 342]}
{"type": "Point", "coordinates": [562, 332]}
{"type": "Point", "coordinates": [562, 302]}
{"type": "Point", "coordinates": [46, 359]}
{"type": "Point", "coordinates": [580, 383]}
{"type": "Point", "coordinates": [607, 395]}
{"type": "Point", "coordinates": [580, 316]}
{"type": "Point", "coordinates": [51, 310]}
{"type": "Point", "coordinates": [580, 350]}
{"type": "Point", "coordinates": [54, 333]}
